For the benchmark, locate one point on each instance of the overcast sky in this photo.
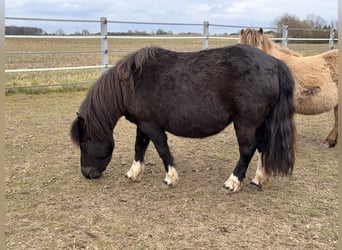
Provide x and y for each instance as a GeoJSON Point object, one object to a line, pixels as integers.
{"type": "Point", "coordinates": [227, 12]}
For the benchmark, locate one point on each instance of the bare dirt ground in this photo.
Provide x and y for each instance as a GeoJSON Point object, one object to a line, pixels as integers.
{"type": "Point", "coordinates": [50, 205]}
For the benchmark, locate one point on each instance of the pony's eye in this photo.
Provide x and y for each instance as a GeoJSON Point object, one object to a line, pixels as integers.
{"type": "Point", "coordinates": [83, 144]}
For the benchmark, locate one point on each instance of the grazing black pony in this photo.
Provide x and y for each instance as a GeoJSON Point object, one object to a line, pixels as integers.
{"type": "Point", "coordinates": [191, 94]}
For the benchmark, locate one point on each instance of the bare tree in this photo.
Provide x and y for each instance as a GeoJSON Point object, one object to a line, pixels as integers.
{"type": "Point", "coordinates": [85, 32]}
{"type": "Point", "coordinates": [59, 32]}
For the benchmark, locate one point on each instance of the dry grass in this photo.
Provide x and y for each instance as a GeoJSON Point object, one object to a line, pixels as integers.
{"type": "Point", "coordinates": [93, 45]}
{"type": "Point", "coordinates": [50, 205]}
{"type": "Point", "coordinates": [69, 60]}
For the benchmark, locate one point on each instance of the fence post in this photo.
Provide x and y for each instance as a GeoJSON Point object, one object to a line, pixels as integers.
{"type": "Point", "coordinates": [331, 38]}
{"type": "Point", "coordinates": [104, 44]}
{"type": "Point", "coordinates": [205, 35]}
{"type": "Point", "coordinates": [285, 36]}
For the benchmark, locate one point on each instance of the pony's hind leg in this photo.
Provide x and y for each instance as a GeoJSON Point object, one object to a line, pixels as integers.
{"type": "Point", "coordinates": [331, 139]}
{"type": "Point", "coordinates": [136, 171]}
{"type": "Point", "coordinates": [247, 147]}
{"type": "Point", "coordinates": [260, 178]}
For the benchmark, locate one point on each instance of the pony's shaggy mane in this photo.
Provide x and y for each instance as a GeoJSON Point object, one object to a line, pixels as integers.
{"type": "Point", "coordinates": [258, 38]}
{"type": "Point", "coordinates": [108, 97]}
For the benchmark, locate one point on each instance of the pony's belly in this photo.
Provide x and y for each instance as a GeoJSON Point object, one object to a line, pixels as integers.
{"type": "Point", "coordinates": [315, 99]}
{"type": "Point", "coordinates": [198, 127]}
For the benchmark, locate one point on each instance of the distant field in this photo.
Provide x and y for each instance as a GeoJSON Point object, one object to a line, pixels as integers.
{"type": "Point", "coordinates": [117, 49]}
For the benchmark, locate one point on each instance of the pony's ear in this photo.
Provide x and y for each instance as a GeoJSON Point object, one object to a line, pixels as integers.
{"type": "Point", "coordinates": [261, 31]}
{"type": "Point", "coordinates": [242, 31]}
{"type": "Point", "coordinates": [76, 129]}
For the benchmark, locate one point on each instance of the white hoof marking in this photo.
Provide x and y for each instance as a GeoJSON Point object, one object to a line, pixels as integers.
{"type": "Point", "coordinates": [233, 183]}
{"type": "Point", "coordinates": [171, 178]}
{"type": "Point", "coordinates": [260, 177]}
{"type": "Point", "coordinates": [136, 171]}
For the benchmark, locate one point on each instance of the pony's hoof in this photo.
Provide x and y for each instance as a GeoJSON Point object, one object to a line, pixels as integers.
{"type": "Point", "coordinates": [260, 180]}
{"type": "Point", "coordinates": [256, 185]}
{"type": "Point", "coordinates": [171, 178]}
{"type": "Point", "coordinates": [233, 184]}
{"type": "Point", "coordinates": [136, 171]}
{"type": "Point", "coordinates": [324, 145]}
{"type": "Point", "coordinates": [328, 144]}
{"type": "Point", "coordinates": [128, 178]}
{"type": "Point", "coordinates": [168, 184]}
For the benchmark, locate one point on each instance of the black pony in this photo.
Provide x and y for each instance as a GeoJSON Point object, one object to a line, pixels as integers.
{"type": "Point", "coordinates": [191, 94]}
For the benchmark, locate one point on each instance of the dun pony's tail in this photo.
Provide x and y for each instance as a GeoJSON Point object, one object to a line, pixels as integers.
{"type": "Point", "coordinates": [279, 148]}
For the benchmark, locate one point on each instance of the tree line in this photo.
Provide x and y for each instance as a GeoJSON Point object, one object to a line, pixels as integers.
{"type": "Point", "coordinates": [22, 30]}
{"type": "Point", "coordinates": [26, 31]}
{"type": "Point", "coordinates": [313, 26]}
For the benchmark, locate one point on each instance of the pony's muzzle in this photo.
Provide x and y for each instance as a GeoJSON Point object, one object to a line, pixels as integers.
{"type": "Point", "coordinates": [90, 173]}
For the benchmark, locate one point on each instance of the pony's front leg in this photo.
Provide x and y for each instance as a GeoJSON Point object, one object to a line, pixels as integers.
{"type": "Point", "coordinates": [171, 177]}
{"type": "Point", "coordinates": [260, 178]}
{"type": "Point", "coordinates": [239, 173]}
{"type": "Point", "coordinates": [159, 139]}
{"type": "Point", "coordinates": [136, 171]}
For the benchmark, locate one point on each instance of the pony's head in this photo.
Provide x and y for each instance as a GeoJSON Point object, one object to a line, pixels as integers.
{"type": "Point", "coordinates": [95, 154]}
{"type": "Point", "coordinates": [252, 37]}
{"type": "Point", "coordinates": [105, 103]}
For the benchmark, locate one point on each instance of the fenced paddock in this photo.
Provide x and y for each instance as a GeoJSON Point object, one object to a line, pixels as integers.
{"type": "Point", "coordinates": [36, 61]}
{"type": "Point", "coordinates": [50, 205]}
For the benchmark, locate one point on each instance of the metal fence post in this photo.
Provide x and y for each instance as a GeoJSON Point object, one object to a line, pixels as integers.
{"type": "Point", "coordinates": [331, 38]}
{"type": "Point", "coordinates": [285, 36]}
{"type": "Point", "coordinates": [205, 35]}
{"type": "Point", "coordinates": [104, 44]}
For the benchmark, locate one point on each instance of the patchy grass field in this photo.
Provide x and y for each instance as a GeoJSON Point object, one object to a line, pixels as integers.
{"type": "Point", "coordinates": [50, 205]}
{"type": "Point", "coordinates": [50, 57]}
{"type": "Point", "coordinates": [56, 53]}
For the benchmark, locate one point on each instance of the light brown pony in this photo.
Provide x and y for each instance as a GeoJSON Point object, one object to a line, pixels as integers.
{"type": "Point", "coordinates": [316, 79]}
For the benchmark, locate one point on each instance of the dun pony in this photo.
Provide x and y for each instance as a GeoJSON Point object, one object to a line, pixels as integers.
{"type": "Point", "coordinates": [316, 79]}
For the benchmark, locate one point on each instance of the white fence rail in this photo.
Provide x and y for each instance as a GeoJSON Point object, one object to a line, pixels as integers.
{"type": "Point", "coordinates": [104, 37]}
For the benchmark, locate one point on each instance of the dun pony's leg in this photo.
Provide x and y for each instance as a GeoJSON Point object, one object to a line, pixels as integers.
{"type": "Point", "coordinates": [331, 140]}
{"type": "Point", "coordinates": [260, 177]}
{"type": "Point", "coordinates": [136, 171]}
{"type": "Point", "coordinates": [247, 147]}
{"type": "Point", "coordinates": [159, 139]}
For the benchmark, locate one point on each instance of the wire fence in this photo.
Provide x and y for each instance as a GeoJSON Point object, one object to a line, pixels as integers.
{"type": "Point", "coordinates": [204, 39]}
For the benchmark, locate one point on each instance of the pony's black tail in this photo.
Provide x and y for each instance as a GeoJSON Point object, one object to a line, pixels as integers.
{"type": "Point", "coordinates": [278, 154]}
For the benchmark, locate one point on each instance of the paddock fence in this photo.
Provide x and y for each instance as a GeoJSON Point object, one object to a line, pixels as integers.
{"type": "Point", "coordinates": [207, 35]}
